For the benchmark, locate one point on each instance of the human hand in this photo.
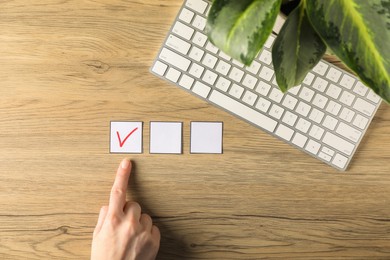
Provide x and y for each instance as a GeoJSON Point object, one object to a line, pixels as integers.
{"type": "Point", "coordinates": [122, 232]}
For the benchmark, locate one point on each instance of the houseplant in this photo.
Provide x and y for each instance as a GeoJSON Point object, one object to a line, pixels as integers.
{"type": "Point", "coordinates": [356, 31]}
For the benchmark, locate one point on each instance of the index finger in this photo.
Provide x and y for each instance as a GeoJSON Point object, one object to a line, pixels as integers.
{"type": "Point", "coordinates": [118, 191]}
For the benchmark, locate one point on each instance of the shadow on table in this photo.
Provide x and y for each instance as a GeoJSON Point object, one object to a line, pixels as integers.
{"type": "Point", "coordinates": [172, 245]}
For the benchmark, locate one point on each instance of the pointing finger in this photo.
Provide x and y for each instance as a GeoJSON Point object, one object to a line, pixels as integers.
{"type": "Point", "coordinates": [118, 191]}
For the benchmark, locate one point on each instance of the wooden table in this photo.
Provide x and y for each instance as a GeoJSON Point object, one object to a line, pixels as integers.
{"type": "Point", "coordinates": [68, 68]}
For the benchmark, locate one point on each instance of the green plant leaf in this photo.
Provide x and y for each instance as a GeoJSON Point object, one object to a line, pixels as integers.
{"type": "Point", "coordinates": [241, 27]}
{"type": "Point", "coordinates": [296, 50]}
{"type": "Point", "coordinates": [358, 32]}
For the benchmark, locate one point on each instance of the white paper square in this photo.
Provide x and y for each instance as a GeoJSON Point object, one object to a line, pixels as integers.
{"type": "Point", "coordinates": [126, 137]}
{"type": "Point", "coordinates": [206, 137]}
{"type": "Point", "coordinates": [166, 137]}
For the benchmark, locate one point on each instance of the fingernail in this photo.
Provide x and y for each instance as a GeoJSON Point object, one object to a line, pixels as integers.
{"type": "Point", "coordinates": [125, 163]}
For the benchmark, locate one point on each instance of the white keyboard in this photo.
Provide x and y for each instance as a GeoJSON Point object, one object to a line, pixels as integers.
{"type": "Point", "coordinates": [325, 117]}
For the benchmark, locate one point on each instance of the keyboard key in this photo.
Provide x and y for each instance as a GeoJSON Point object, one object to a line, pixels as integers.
{"type": "Point", "coordinates": [333, 108]}
{"type": "Point", "coordinates": [333, 91]}
{"type": "Point", "coordinates": [197, 5]}
{"type": "Point", "coordinates": [210, 60]}
{"type": "Point", "coordinates": [338, 143]}
{"type": "Point", "coordinates": [173, 75]}
{"type": "Point", "coordinates": [266, 57]}
{"type": "Point", "coordinates": [249, 81]}
{"type": "Point", "coordinates": [276, 95]}
{"type": "Point", "coordinates": [299, 140]}
{"type": "Point", "coordinates": [303, 109]}
{"type": "Point", "coordinates": [199, 22]}
{"type": "Point", "coordinates": [236, 74]}
{"type": "Point", "coordinates": [243, 111]}
{"type": "Point", "coordinates": [249, 98]}
{"type": "Point", "coordinates": [308, 79]}
{"type": "Point", "coordinates": [373, 97]}
{"type": "Point", "coordinates": [174, 59]}
{"type": "Point", "coordinates": [324, 156]}
{"type": "Point", "coordinates": [210, 77]}
{"type": "Point", "coordinates": [316, 115]}
{"type": "Point", "coordinates": [306, 94]}
{"type": "Point", "coordinates": [360, 89]}
{"type": "Point", "coordinates": [312, 147]}
{"type": "Point", "coordinates": [196, 53]}
{"type": "Point", "coordinates": [236, 91]}
{"type": "Point", "coordinates": [340, 160]}
{"type": "Point", "coordinates": [196, 70]}
{"type": "Point", "coordinates": [263, 88]}
{"type": "Point", "coordinates": [347, 114]}
{"type": "Point", "coordinates": [347, 98]}
{"type": "Point", "coordinates": [223, 67]}
{"type": "Point", "coordinates": [210, 47]}
{"type": "Point", "coordinates": [159, 68]}
{"type": "Point", "coordinates": [276, 111]}
{"type": "Point", "coordinates": [266, 73]}
{"type": "Point", "coordinates": [330, 122]}
{"type": "Point", "coordinates": [284, 132]}
{"type": "Point", "coordinates": [290, 102]}
{"type": "Point", "coordinates": [199, 39]}
{"type": "Point", "coordinates": [186, 15]}
{"type": "Point", "coordinates": [316, 132]}
{"type": "Point", "coordinates": [364, 107]}
{"type": "Point", "coordinates": [186, 81]}
{"type": "Point", "coordinates": [269, 42]}
{"type": "Point", "coordinates": [321, 68]}
{"type": "Point", "coordinates": [328, 151]}
{"type": "Point", "coordinates": [178, 44]}
{"type": "Point", "coordinates": [320, 84]}
{"type": "Point", "coordinates": [263, 104]}
{"type": "Point", "coordinates": [303, 125]}
{"type": "Point", "coordinates": [347, 81]}
{"type": "Point", "coordinates": [254, 67]}
{"type": "Point", "coordinates": [320, 101]}
{"type": "Point", "coordinates": [349, 132]}
{"type": "Point", "coordinates": [360, 121]}
{"type": "Point", "coordinates": [289, 118]}
{"type": "Point", "coordinates": [333, 74]}
{"type": "Point", "coordinates": [201, 89]}
{"type": "Point", "coordinates": [183, 30]}
{"type": "Point", "coordinates": [223, 84]}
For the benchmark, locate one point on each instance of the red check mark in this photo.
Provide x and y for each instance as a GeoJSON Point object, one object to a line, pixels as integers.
{"type": "Point", "coordinates": [121, 143]}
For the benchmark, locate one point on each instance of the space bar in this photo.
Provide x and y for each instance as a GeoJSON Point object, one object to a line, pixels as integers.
{"type": "Point", "coordinates": [243, 111]}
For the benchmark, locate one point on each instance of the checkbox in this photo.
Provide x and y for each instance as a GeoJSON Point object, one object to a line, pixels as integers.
{"type": "Point", "coordinates": [166, 137]}
{"type": "Point", "coordinates": [126, 137]}
{"type": "Point", "coordinates": [206, 137]}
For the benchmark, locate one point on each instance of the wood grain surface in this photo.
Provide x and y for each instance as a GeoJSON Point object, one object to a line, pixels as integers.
{"type": "Point", "coordinates": [68, 68]}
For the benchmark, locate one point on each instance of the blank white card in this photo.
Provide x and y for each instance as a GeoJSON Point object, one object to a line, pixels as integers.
{"type": "Point", "coordinates": [206, 137]}
{"type": "Point", "coordinates": [166, 137]}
